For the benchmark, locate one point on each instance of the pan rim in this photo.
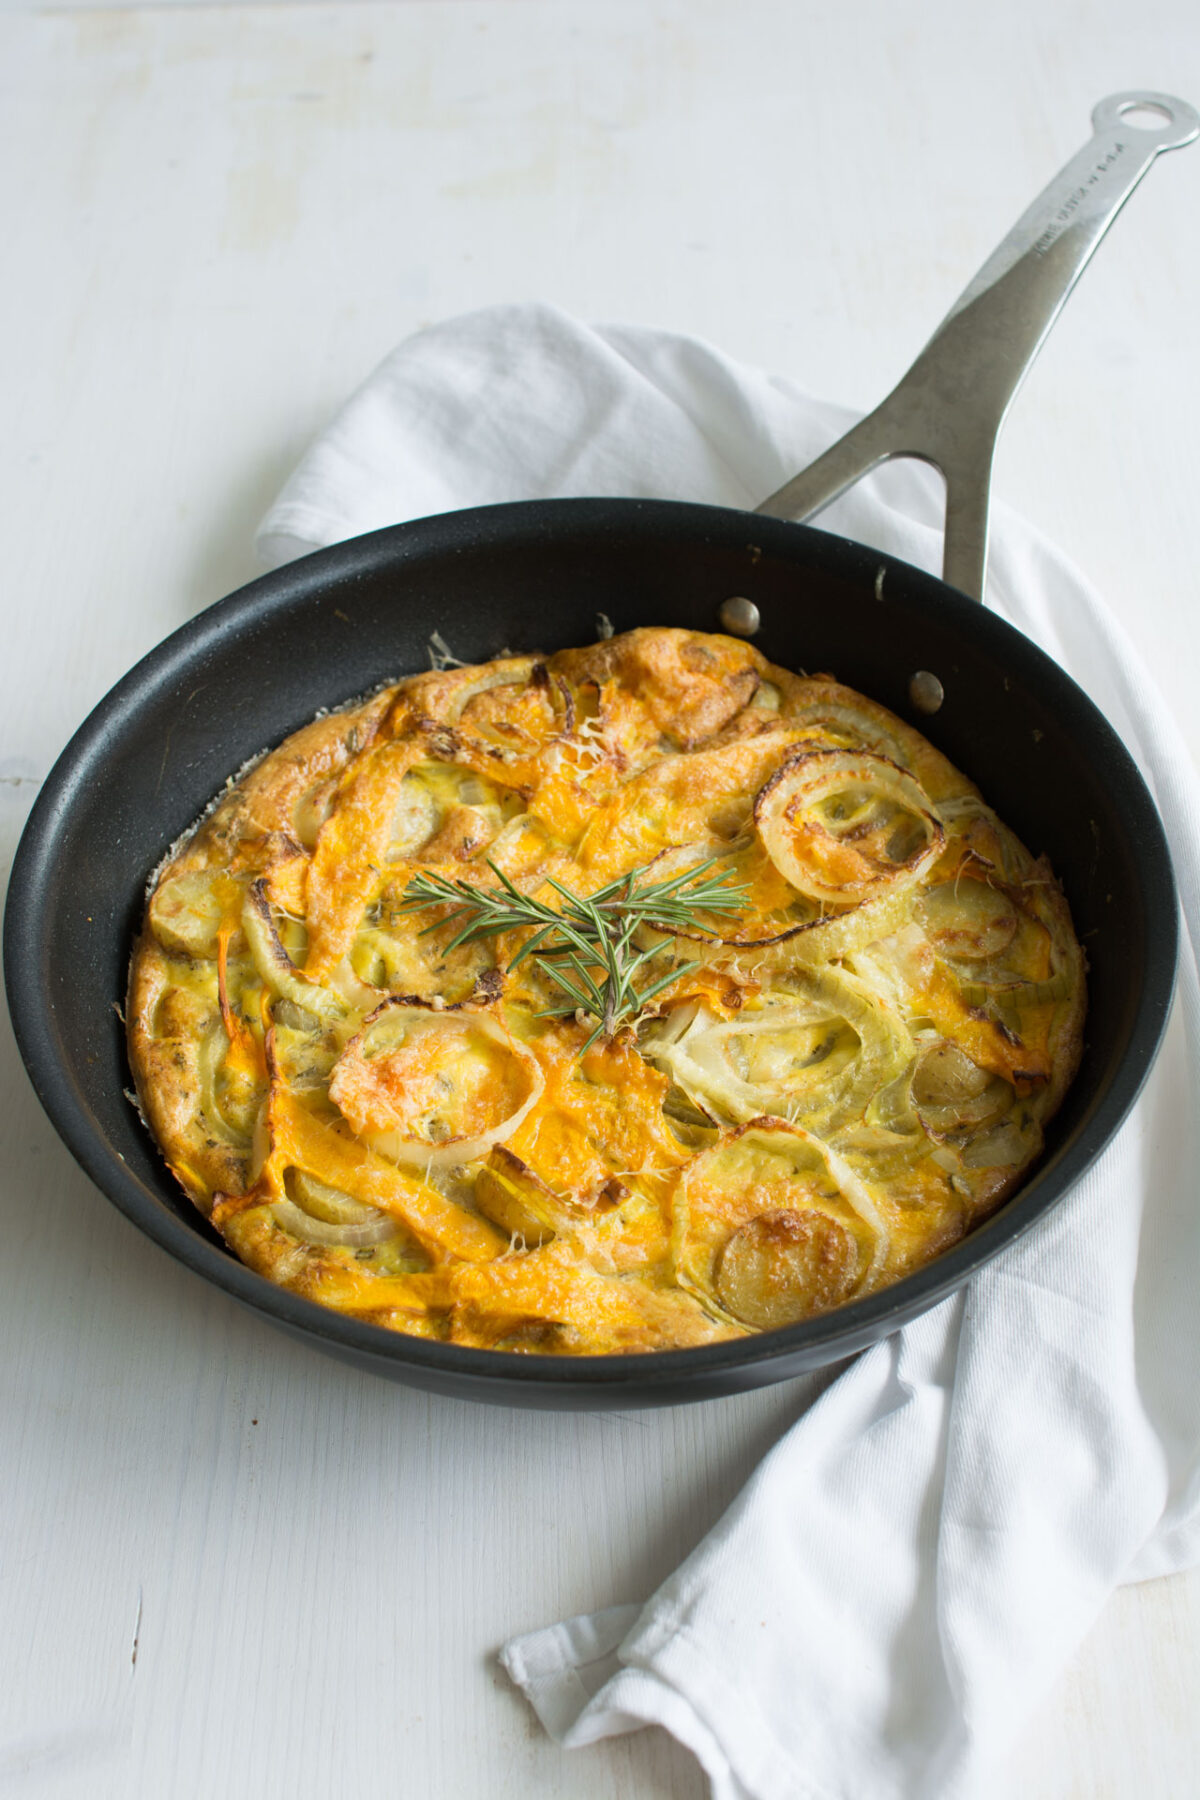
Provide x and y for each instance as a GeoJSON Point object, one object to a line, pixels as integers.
{"type": "Point", "coordinates": [812, 1342]}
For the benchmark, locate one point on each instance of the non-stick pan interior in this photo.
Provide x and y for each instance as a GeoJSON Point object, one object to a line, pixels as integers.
{"type": "Point", "coordinates": [254, 667]}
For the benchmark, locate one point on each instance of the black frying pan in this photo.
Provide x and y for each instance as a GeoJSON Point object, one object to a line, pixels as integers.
{"type": "Point", "coordinates": [259, 664]}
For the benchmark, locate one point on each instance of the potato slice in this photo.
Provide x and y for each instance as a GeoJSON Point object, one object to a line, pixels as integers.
{"type": "Point", "coordinates": [769, 1225]}
{"type": "Point", "coordinates": [782, 1266]}
{"type": "Point", "coordinates": [187, 911]}
{"type": "Point", "coordinates": [509, 1194]}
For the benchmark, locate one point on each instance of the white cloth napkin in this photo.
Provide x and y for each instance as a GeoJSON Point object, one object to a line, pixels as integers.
{"type": "Point", "coordinates": [909, 1569]}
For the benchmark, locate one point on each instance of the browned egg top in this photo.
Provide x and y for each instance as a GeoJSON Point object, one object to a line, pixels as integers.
{"type": "Point", "coordinates": [633, 997]}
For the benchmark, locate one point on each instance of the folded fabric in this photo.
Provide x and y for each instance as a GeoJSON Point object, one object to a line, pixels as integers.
{"type": "Point", "coordinates": [908, 1571]}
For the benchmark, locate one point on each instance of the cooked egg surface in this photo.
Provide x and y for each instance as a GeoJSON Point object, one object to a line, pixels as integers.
{"type": "Point", "coordinates": [832, 1082]}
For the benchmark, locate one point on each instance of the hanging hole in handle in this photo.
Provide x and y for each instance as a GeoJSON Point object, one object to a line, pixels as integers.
{"type": "Point", "coordinates": [1146, 115]}
{"type": "Point", "coordinates": [1164, 118]}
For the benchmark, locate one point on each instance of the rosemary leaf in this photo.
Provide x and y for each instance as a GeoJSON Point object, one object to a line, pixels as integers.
{"type": "Point", "coordinates": [591, 935]}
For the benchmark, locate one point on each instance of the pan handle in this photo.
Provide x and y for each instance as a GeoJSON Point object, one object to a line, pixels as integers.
{"type": "Point", "coordinates": [948, 409]}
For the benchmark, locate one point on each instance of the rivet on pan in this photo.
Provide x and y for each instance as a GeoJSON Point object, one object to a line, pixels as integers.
{"type": "Point", "coordinates": [926, 691]}
{"type": "Point", "coordinates": [740, 616]}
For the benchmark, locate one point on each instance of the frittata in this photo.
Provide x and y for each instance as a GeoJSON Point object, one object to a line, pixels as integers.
{"type": "Point", "coordinates": [628, 998]}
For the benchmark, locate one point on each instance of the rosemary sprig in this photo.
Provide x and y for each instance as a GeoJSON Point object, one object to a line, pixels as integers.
{"type": "Point", "coordinates": [585, 946]}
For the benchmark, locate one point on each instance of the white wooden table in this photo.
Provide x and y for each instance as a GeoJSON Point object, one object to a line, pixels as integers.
{"type": "Point", "coordinates": [229, 1567]}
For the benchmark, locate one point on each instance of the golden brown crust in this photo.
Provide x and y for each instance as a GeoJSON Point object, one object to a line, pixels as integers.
{"type": "Point", "coordinates": [835, 1085]}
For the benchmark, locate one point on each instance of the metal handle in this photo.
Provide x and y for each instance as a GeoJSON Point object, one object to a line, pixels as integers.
{"type": "Point", "coordinates": [948, 409]}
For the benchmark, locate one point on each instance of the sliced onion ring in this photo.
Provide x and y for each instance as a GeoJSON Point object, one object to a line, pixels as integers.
{"type": "Point", "coordinates": [843, 713]}
{"type": "Point", "coordinates": [423, 1153]}
{"type": "Point", "coordinates": [275, 966]}
{"type": "Point", "coordinates": [212, 1052]}
{"type": "Point", "coordinates": [810, 940]}
{"type": "Point", "coordinates": [697, 1057]}
{"type": "Point", "coordinates": [786, 810]}
{"type": "Point", "coordinates": [302, 1225]}
{"type": "Point", "coordinates": [477, 736]}
{"type": "Point", "coordinates": [1010, 1144]}
{"type": "Point", "coordinates": [468, 681]}
{"type": "Point", "coordinates": [951, 1093]}
{"type": "Point", "coordinates": [1014, 989]}
{"type": "Point", "coordinates": [321, 1201]}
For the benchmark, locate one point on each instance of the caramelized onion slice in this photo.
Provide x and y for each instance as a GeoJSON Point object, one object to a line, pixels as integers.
{"type": "Point", "coordinates": [814, 937]}
{"type": "Point", "coordinates": [842, 713]}
{"type": "Point", "coordinates": [275, 966]}
{"type": "Point", "coordinates": [839, 824]}
{"type": "Point", "coordinates": [429, 1091]}
{"type": "Point", "coordinates": [512, 714]}
{"type": "Point", "coordinates": [465, 685]}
